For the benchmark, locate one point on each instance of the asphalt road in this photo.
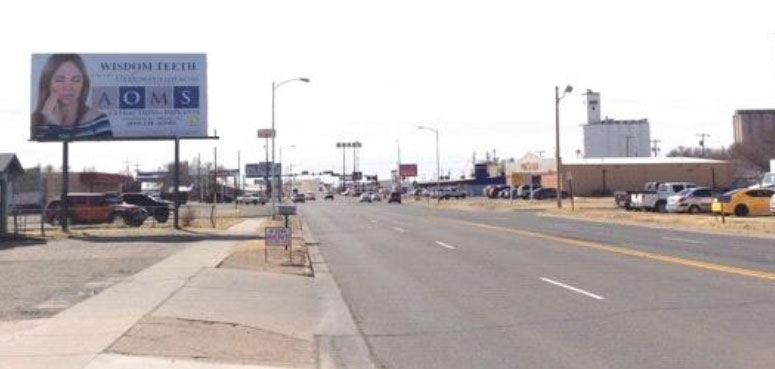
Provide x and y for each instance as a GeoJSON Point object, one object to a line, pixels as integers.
{"type": "Point", "coordinates": [451, 289]}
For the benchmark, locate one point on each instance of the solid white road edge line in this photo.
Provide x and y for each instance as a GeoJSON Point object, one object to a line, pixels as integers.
{"type": "Point", "coordinates": [682, 240]}
{"type": "Point", "coordinates": [574, 289]}
{"type": "Point", "coordinates": [399, 230]}
{"type": "Point", "coordinates": [445, 245]}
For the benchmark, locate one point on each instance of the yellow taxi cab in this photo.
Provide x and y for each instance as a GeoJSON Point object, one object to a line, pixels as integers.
{"type": "Point", "coordinates": [744, 202]}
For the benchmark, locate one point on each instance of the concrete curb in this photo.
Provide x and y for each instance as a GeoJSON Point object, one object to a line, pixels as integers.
{"type": "Point", "coordinates": [340, 343]}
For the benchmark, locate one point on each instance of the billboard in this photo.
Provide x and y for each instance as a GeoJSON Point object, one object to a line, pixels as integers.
{"type": "Point", "coordinates": [260, 170]}
{"type": "Point", "coordinates": [86, 96]}
{"type": "Point", "coordinates": [407, 170]}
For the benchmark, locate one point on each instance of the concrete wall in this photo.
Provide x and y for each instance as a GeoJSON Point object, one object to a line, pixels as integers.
{"type": "Point", "coordinates": [592, 179]}
{"type": "Point", "coordinates": [754, 127]}
{"type": "Point", "coordinates": [609, 140]}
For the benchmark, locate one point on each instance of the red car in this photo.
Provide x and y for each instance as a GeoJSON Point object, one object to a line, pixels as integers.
{"type": "Point", "coordinates": [95, 208]}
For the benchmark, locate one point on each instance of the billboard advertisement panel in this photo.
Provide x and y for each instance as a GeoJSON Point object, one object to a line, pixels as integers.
{"type": "Point", "coordinates": [407, 170]}
{"type": "Point", "coordinates": [260, 170]}
{"type": "Point", "coordinates": [87, 96]}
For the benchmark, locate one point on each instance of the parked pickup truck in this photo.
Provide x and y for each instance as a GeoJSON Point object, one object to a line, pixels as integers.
{"type": "Point", "coordinates": [623, 199]}
{"type": "Point", "coordinates": [656, 200]}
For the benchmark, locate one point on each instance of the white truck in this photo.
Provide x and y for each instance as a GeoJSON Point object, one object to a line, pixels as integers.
{"type": "Point", "coordinates": [767, 180]}
{"type": "Point", "coordinates": [654, 198]}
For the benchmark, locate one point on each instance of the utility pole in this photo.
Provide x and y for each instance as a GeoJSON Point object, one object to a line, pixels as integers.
{"type": "Point", "coordinates": [199, 175]}
{"type": "Point", "coordinates": [215, 175]}
{"type": "Point", "coordinates": [702, 142]}
{"type": "Point", "coordinates": [558, 159]}
{"type": "Point", "coordinates": [655, 147]}
{"type": "Point", "coordinates": [540, 153]}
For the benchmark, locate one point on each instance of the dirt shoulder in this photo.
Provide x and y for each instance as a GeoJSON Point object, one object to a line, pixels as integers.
{"type": "Point", "coordinates": [254, 254]}
{"type": "Point", "coordinates": [603, 210]}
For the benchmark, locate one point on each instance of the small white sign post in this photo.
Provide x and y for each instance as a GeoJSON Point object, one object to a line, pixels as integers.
{"type": "Point", "coordinates": [277, 236]}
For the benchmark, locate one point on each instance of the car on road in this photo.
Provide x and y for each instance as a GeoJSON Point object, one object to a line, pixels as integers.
{"type": "Point", "coordinates": [157, 208]}
{"type": "Point", "coordinates": [251, 198]}
{"type": "Point", "coordinates": [95, 208]}
{"type": "Point", "coordinates": [310, 196]}
{"type": "Point", "coordinates": [692, 200]}
{"type": "Point", "coordinates": [394, 197]}
{"type": "Point", "coordinates": [298, 197]}
{"type": "Point", "coordinates": [547, 194]}
{"type": "Point", "coordinates": [328, 196]}
{"type": "Point", "coordinates": [364, 198]}
{"type": "Point", "coordinates": [375, 197]}
{"type": "Point", "coordinates": [744, 202]}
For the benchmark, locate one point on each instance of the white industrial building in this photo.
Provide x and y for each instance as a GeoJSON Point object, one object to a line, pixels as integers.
{"type": "Point", "coordinates": [610, 138]}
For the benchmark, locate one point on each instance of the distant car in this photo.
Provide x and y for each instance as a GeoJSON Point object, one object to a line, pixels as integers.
{"type": "Point", "coordinates": [546, 194]}
{"type": "Point", "coordinates": [299, 197]}
{"type": "Point", "coordinates": [744, 202]}
{"type": "Point", "coordinates": [692, 200]}
{"type": "Point", "coordinates": [394, 197]}
{"type": "Point", "coordinates": [524, 190]}
{"type": "Point", "coordinates": [328, 196]}
{"type": "Point", "coordinates": [364, 198]}
{"type": "Point", "coordinates": [375, 197]}
{"type": "Point", "coordinates": [310, 196]}
{"type": "Point", "coordinates": [251, 198]}
{"type": "Point", "coordinates": [157, 208]}
{"type": "Point", "coordinates": [446, 193]}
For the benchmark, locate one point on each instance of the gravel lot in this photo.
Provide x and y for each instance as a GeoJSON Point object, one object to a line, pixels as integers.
{"type": "Point", "coordinates": [38, 281]}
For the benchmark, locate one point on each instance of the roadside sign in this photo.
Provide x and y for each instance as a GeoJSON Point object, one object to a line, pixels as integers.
{"type": "Point", "coordinates": [262, 169]}
{"type": "Point", "coordinates": [278, 236]}
{"type": "Point", "coordinates": [407, 170]}
{"type": "Point", "coordinates": [266, 133]}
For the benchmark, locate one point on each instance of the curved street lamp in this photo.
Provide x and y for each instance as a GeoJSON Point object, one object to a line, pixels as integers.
{"type": "Point", "coordinates": [438, 167]}
{"type": "Point", "coordinates": [557, 98]}
{"type": "Point", "coordinates": [275, 86]}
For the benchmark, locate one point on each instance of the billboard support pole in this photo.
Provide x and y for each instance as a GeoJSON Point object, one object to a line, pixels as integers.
{"type": "Point", "coordinates": [64, 218]}
{"type": "Point", "coordinates": [176, 182]}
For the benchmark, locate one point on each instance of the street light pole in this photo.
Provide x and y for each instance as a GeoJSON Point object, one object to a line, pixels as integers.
{"type": "Point", "coordinates": [557, 99]}
{"type": "Point", "coordinates": [438, 165]}
{"type": "Point", "coordinates": [398, 169]}
{"type": "Point", "coordinates": [275, 86]}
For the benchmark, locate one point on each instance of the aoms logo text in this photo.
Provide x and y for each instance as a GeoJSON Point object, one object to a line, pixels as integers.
{"type": "Point", "coordinates": [145, 97]}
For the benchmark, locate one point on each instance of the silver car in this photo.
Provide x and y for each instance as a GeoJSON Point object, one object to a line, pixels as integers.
{"type": "Point", "coordinates": [692, 200]}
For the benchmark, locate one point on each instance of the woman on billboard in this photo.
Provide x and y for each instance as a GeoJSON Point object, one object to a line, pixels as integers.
{"type": "Point", "coordinates": [61, 111]}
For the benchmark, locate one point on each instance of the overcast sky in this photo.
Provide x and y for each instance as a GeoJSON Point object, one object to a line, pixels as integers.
{"type": "Point", "coordinates": [482, 72]}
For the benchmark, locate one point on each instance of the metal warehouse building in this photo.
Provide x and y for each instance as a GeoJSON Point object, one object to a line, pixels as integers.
{"type": "Point", "coordinates": [598, 176]}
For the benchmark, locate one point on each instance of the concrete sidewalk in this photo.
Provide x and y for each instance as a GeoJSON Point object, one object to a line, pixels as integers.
{"type": "Point", "coordinates": [185, 312]}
